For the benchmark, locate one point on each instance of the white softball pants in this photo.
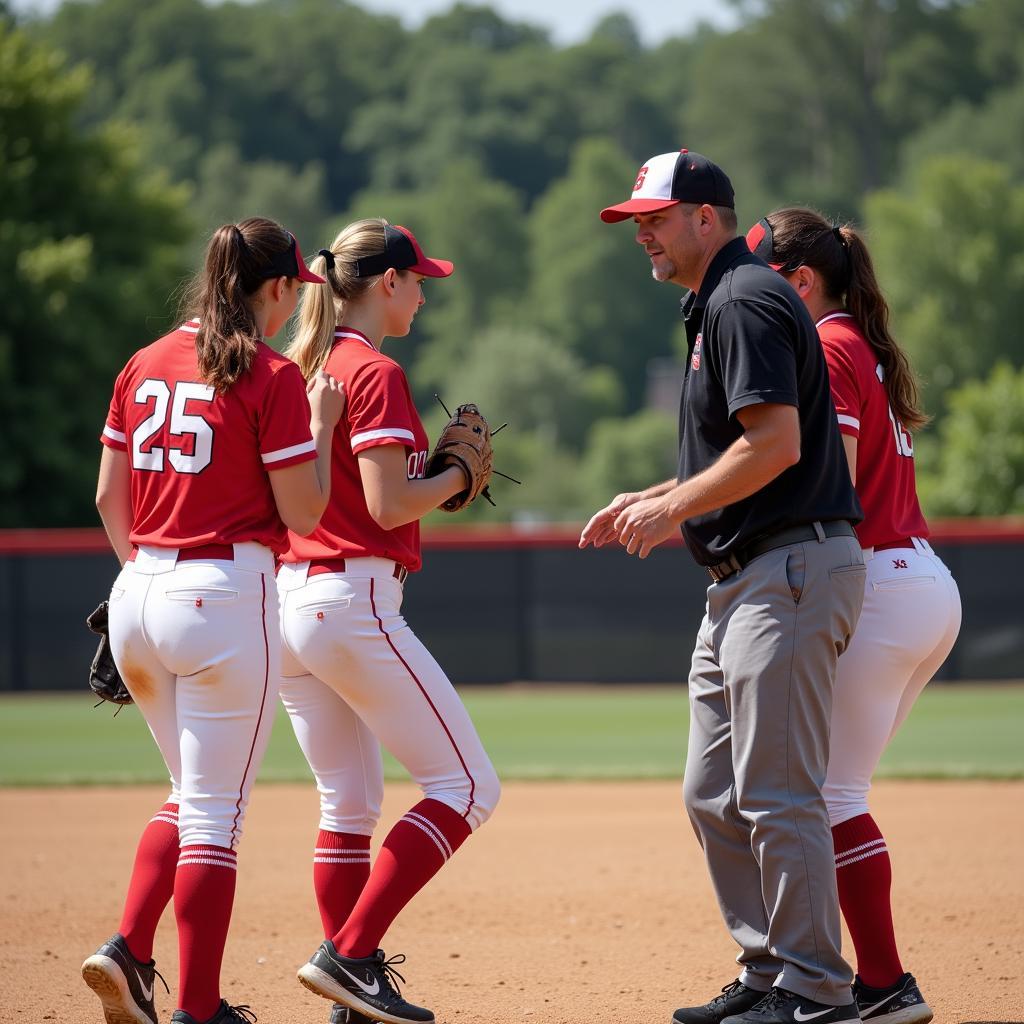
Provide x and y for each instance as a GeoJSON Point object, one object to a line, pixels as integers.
{"type": "Point", "coordinates": [908, 625]}
{"type": "Point", "coordinates": [355, 673]}
{"type": "Point", "coordinates": [197, 644]}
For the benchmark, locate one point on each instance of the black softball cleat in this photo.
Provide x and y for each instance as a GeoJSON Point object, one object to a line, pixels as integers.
{"type": "Point", "coordinates": [364, 984]}
{"type": "Point", "coordinates": [225, 1015]}
{"type": "Point", "coordinates": [900, 1004]}
{"type": "Point", "coordinates": [341, 1014]}
{"type": "Point", "coordinates": [733, 999]}
{"type": "Point", "coordinates": [780, 1006]}
{"type": "Point", "coordinates": [124, 985]}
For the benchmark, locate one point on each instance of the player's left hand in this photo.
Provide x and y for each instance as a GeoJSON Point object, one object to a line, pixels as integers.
{"type": "Point", "coordinates": [642, 526]}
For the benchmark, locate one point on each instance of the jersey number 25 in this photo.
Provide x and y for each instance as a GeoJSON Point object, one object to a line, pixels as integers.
{"type": "Point", "coordinates": [182, 424]}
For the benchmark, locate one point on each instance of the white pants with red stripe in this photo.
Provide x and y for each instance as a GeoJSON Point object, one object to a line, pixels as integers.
{"type": "Point", "coordinates": [197, 644]}
{"type": "Point", "coordinates": [355, 673]}
{"type": "Point", "coordinates": [909, 622]}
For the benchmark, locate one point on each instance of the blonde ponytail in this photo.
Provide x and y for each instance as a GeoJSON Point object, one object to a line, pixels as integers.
{"type": "Point", "coordinates": [323, 305]}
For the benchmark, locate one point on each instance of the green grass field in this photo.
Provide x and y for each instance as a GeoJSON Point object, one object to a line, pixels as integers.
{"type": "Point", "coordinates": [531, 733]}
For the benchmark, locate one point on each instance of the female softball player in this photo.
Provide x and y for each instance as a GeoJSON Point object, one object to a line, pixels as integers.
{"type": "Point", "coordinates": [354, 672]}
{"type": "Point", "coordinates": [210, 453]}
{"type": "Point", "coordinates": [911, 613]}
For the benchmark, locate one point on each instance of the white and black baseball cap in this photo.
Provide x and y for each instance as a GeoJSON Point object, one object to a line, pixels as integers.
{"type": "Point", "coordinates": [671, 178]}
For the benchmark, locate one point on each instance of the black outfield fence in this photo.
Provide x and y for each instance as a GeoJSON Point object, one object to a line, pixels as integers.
{"type": "Point", "coordinates": [541, 610]}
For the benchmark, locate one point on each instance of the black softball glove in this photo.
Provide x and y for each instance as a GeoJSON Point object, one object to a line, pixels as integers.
{"type": "Point", "coordinates": [104, 679]}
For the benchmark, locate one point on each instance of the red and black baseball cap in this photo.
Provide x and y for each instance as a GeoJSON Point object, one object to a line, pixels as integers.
{"type": "Point", "coordinates": [401, 252]}
{"type": "Point", "coordinates": [290, 263]}
{"type": "Point", "coordinates": [671, 178]}
{"type": "Point", "coordinates": [761, 242]}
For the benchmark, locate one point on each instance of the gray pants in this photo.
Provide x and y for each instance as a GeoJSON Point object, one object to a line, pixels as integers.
{"type": "Point", "coordinates": [760, 705]}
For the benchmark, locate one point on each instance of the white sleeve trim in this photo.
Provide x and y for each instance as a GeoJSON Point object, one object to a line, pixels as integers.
{"type": "Point", "coordinates": [114, 435]}
{"type": "Point", "coordinates": [848, 421]}
{"type": "Point", "coordinates": [287, 453]}
{"type": "Point", "coordinates": [397, 433]}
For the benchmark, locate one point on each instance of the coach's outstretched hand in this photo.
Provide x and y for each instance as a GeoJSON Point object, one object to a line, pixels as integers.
{"type": "Point", "coordinates": [601, 528]}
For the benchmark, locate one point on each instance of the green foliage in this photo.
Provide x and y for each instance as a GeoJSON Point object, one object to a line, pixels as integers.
{"type": "Point", "coordinates": [591, 288]}
{"type": "Point", "coordinates": [498, 148]}
{"type": "Point", "coordinates": [230, 189]}
{"type": "Point", "coordinates": [629, 455]}
{"type": "Point", "coordinates": [89, 250]}
{"type": "Point", "coordinates": [477, 222]}
{"type": "Point", "coordinates": [975, 465]}
{"type": "Point", "coordinates": [948, 249]}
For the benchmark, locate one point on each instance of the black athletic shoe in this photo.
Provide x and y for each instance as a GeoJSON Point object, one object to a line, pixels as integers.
{"type": "Point", "coordinates": [341, 1014]}
{"type": "Point", "coordinates": [781, 1006]}
{"type": "Point", "coordinates": [225, 1015]}
{"type": "Point", "coordinates": [123, 984]}
{"type": "Point", "coordinates": [901, 1004]}
{"type": "Point", "coordinates": [734, 998]}
{"type": "Point", "coordinates": [364, 984]}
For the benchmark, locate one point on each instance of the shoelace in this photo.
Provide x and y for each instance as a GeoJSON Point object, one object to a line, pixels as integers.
{"type": "Point", "coordinates": [770, 1001]}
{"type": "Point", "coordinates": [161, 977]}
{"type": "Point", "coordinates": [242, 1013]}
{"type": "Point", "coordinates": [727, 991]}
{"type": "Point", "coordinates": [389, 972]}
{"type": "Point", "coordinates": [139, 968]}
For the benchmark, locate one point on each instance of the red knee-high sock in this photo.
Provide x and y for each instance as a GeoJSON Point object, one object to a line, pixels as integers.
{"type": "Point", "coordinates": [204, 890]}
{"type": "Point", "coordinates": [414, 851]}
{"type": "Point", "coordinates": [864, 876]}
{"type": "Point", "coordinates": [341, 866]}
{"type": "Point", "coordinates": [152, 882]}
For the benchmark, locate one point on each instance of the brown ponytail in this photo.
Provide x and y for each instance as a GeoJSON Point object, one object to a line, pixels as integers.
{"type": "Point", "coordinates": [221, 297]}
{"type": "Point", "coordinates": [804, 238]}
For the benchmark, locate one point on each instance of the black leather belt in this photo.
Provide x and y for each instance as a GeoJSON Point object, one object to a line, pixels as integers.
{"type": "Point", "coordinates": [782, 539]}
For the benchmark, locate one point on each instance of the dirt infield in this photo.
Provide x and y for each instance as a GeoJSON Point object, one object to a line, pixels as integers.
{"type": "Point", "coordinates": [578, 904]}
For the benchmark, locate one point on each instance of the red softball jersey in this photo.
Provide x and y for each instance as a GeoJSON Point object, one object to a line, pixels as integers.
{"type": "Point", "coordinates": [885, 449]}
{"type": "Point", "coordinates": [200, 460]}
{"type": "Point", "coordinates": [378, 410]}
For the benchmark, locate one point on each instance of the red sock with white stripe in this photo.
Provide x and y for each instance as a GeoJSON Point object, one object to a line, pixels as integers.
{"type": "Point", "coordinates": [341, 866]}
{"type": "Point", "coordinates": [414, 851]}
{"type": "Point", "coordinates": [152, 882]}
{"type": "Point", "coordinates": [864, 876]}
{"type": "Point", "coordinates": [204, 890]}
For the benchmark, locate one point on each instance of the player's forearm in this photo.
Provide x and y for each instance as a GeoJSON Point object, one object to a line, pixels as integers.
{"type": "Point", "coordinates": [117, 521]}
{"type": "Point", "coordinates": [658, 490]}
{"type": "Point", "coordinates": [114, 500]}
{"type": "Point", "coordinates": [323, 437]}
{"type": "Point", "coordinates": [411, 500]}
{"type": "Point", "coordinates": [747, 465]}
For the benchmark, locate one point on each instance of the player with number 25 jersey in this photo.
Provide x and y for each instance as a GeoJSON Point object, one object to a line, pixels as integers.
{"type": "Point", "coordinates": [211, 452]}
{"type": "Point", "coordinates": [201, 459]}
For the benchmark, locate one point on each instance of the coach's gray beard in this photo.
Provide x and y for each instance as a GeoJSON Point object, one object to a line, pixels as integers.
{"type": "Point", "coordinates": [664, 273]}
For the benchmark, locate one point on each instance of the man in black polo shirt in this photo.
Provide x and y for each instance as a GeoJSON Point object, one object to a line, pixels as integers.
{"type": "Point", "coordinates": [764, 499]}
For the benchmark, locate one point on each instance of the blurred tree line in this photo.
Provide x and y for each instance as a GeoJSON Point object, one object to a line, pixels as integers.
{"type": "Point", "coordinates": [129, 131]}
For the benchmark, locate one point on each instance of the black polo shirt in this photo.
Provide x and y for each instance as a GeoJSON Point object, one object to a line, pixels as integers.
{"type": "Point", "coordinates": [751, 340]}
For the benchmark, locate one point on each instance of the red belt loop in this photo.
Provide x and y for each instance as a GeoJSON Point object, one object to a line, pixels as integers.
{"type": "Point", "coordinates": [905, 543]}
